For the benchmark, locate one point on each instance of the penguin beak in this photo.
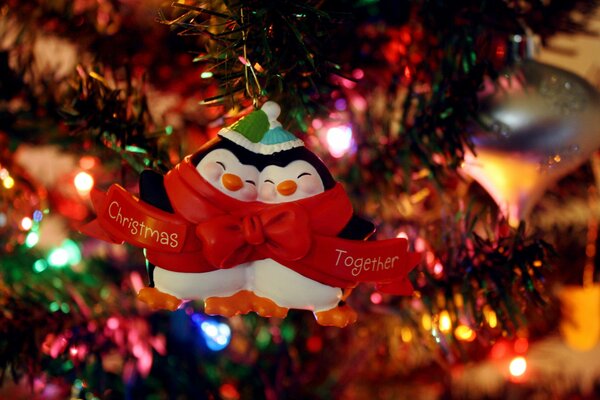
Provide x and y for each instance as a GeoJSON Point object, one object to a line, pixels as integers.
{"type": "Point", "coordinates": [232, 182]}
{"type": "Point", "coordinates": [287, 188]}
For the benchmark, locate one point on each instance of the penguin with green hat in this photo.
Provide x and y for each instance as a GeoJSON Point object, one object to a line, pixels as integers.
{"type": "Point", "coordinates": [252, 163]}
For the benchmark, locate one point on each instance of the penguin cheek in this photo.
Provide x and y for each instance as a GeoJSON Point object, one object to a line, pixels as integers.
{"type": "Point", "coordinates": [310, 185]}
{"type": "Point", "coordinates": [248, 192]}
{"type": "Point", "coordinates": [267, 192]}
{"type": "Point", "coordinates": [211, 171]}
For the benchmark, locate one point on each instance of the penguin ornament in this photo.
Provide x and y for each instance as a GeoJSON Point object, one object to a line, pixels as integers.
{"type": "Point", "coordinates": [252, 222]}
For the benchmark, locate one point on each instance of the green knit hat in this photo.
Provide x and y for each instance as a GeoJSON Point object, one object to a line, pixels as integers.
{"type": "Point", "coordinates": [260, 132]}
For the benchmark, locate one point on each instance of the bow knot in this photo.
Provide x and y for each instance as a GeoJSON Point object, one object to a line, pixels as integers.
{"type": "Point", "coordinates": [253, 230]}
{"type": "Point", "coordinates": [230, 240]}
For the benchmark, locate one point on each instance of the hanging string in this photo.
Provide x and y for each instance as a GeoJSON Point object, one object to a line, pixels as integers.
{"type": "Point", "coordinates": [248, 66]}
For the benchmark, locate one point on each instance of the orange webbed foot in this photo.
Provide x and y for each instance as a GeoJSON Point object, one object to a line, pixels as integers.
{"type": "Point", "coordinates": [243, 302]}
{"type": "Point", "coordinates": [339, 316]}
{"type": "Point", "coordinates": [267, 307]}
{"type": "Point", "coordinates": [157, 300]}
{"type": "Point", "coordinates": [238, 303]}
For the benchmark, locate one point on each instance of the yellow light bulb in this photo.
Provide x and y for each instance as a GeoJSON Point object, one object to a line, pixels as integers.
{"type": "Point", "coordinates": [517, 366]}
{"type": "Point", "coordinates": [464, 333]}
{"type": "Point", "coordinates": [26, 223]}
{"type": "Point", "coordinates": [8, 182]}
{"type": "Point", "coordinates": [490, 316]}
{"type": "Point", "coordinates": [406, 334]}
{"type": "Point", "coordinates": [445, 322]}
{"type": "Point", "coordinates": [426, 322]}
{"type": "Point", "coordinates": [83, 182]}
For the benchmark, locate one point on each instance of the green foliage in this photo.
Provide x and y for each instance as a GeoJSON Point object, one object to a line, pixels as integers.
{"type": "Point", "coordinates": [117, 118]}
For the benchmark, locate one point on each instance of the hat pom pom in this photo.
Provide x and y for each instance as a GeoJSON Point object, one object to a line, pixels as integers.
{"type": "Point", "coordinates": [272, 110]}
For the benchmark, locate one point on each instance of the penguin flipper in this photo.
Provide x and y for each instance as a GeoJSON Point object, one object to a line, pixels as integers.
{"type": "Point", "coordinates": [152, 190]}
{"type": "Point", "coordinates": [357, 229]}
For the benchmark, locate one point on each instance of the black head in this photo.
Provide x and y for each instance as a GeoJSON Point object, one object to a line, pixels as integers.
{"type": "Point", "coordinates": [260, 161]}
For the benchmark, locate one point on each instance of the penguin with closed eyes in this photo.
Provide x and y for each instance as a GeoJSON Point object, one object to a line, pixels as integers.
{"type": "Point", "coordinates": [255, 161]}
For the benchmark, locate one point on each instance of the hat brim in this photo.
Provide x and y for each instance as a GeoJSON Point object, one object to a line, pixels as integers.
{"type": "Point", "coordinates": [259, 148]}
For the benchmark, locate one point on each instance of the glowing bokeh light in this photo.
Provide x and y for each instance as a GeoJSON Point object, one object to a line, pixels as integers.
{"type": "Point", "coordinates": [40, 265]}
{"type": "Point", "coordinates": [517, 366]}
{"type": "Point", "coordinates": [68, 253]}
{"type": "Point", "coordinates": [38, 215]}
{"type": "Point", "coordinates": [500, 350]}
{"type": "Point", "coordinates": [314, 344]}
{"type": "Point", "coordinates": [73, 251]}
{"type": "Point", "coordinates": [420, 244]}
{"type": "Point", "coordinates": [406, 334]}
{"type": "Point", "coordinates": [87, 162]}
{"type": "Point", "coordinates": [426, 322]}
{"type": "Point", "coordinates": [341, 104]}
{"type": "Point", "coordinates": [430, 257]}
{"type": "Point", "coordinates": [464, 333]}
{"type": "Point", "coordinates": [8, 182]}
{"type": "Point", "coordinates": [436, 335]}
{"type": "Point", "coordinates": [490, 316]}
{"type": "Point", "coordinates": [317, 123]}
{"type": "Point", "coordinates": [32, 239]}
{"type": "Point", "coordinates": [459, 300]}
{"type": "Point", "coordinates": [359, 103]}
{"type": "Point", "coordinates": [26, 223]}
{"type": "Point", "coordinates": [263, 338]}
{"type": "Point", "coordinates": [217, 335]}
{"type": "Point", "coordinates": [58, 257]}
{"type": "Point", "coordinates": [229, 392]}
{"type": "Point", "coordinates": [521, 345]}
{"type": "Point", "coordinates": [112, 323]}
{"type": "Point", "coordinates": [376, 298]}
{"type": "Point", "coordinates": [358, 74]}
{"type": "Point", "coordinates": [445, 322]}
{"type": "Point", "coordinates": [339, 140]}
{"type": "Point", "coordinates": [84, 182]}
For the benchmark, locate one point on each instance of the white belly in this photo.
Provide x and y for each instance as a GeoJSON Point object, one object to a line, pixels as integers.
{"type": "Point", "coordinates": [200, 286]}
{"type": "Point", "coordinates": [266, 278]}
{"type": "Point", "coordinates": [289, 289]}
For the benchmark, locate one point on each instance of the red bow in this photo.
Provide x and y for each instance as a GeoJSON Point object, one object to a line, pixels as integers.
{"type": "Point", "coordinates": [276, 232]}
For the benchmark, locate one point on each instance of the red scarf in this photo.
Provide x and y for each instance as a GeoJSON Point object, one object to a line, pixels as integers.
{"type": "Point", "coordinates": [210, 230]}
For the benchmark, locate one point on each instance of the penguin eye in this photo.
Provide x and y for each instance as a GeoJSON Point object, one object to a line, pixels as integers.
{"type": "Point", "coordinates": [303, 174]}
{"type": "Point", "coordinates": [222, 165]}
{"type": "Point", "coordinates": [251, 182]}
{"type": "Point", "coordinates": [269, 181]}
